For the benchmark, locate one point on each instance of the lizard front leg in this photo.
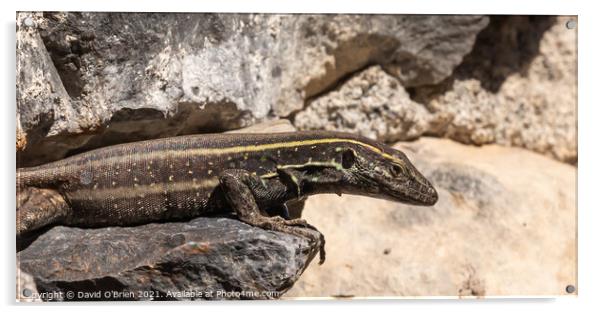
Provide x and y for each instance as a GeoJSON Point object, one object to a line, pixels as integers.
{"type": "Point", "coordinates": [235, 185]}
{"type": "Point", "coordinates": [38, 208]}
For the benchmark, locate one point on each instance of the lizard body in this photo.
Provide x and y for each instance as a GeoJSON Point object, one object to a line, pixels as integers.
{"type": "Point", "coordinates": [254, 175]}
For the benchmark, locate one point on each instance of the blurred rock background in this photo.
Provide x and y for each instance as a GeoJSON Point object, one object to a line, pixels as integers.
{"type": "Point", "coordinates": [485, 106]}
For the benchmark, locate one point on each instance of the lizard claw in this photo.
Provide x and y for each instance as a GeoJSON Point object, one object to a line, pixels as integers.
{"type": "Point", "coordinates": [298, 224]}
{"type": "Point", "coordinates": [321, 240]}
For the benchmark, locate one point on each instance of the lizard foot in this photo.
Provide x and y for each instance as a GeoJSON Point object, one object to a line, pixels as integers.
{"type": "Point", "coordinates": [235, 183]}
{"type": "Point", "coordinates": [296, 227]}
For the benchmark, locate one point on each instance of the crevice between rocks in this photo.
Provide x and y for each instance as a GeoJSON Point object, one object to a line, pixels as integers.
{"type": "Point", "coordinates": [506, 46]}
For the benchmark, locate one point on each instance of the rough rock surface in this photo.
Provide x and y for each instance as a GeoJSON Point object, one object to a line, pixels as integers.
{"type": "Point", "coordinates": [372, 103]}
{"type": "Point", "coordinates": [517, 87]}
{"type": "Point", "coordinates": [206, 258]}
{"type": "Point", "coordinates": [94, 79]}
{"type": "Point", "coordinates": [505, 224]}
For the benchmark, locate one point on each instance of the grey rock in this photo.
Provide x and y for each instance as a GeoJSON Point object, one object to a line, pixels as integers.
{"type": "Point", "coordinates": [523, 95]}
{"type": "Point", "coordinates": [41, 98]}
{"type": "Point", "coordinates": [373, 104]}
{"type": "Point", "coordinates": [519, 88]}
{"type": "Point", "coordinates": [133, 76]}
{"type": "Point", "coordinates": [205, 258]}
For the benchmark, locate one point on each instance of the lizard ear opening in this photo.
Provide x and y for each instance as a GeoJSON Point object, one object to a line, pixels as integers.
{"type": "Point", "coordinates": [348, 159]}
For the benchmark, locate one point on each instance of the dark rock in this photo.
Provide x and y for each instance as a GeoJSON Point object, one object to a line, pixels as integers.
{"type": "Point", "coordinates": [206, 258]}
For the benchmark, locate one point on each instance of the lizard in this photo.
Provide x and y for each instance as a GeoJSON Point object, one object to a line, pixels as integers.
{"type": "Point", "coordinates": [252, 175]}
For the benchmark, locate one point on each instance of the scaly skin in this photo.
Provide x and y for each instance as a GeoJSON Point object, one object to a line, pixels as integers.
{"type": "Point", "coordinates": [254, 175]}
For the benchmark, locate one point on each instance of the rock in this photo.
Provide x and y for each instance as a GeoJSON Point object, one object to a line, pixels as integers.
{"type": "Point", "coordinates": [505, 224]}
{"type": "Point", "coordinates": [131, 76]}
{"type": "Point", "coordinates": [273, 126]}
{"type": "Point", "coordinates": [42, 100]}
{"type": "Point", "coordinates": [205, 258]}
{"type": "Point", "coordinates": [517, 88]}
{"type": "Point", "coordinates": [373, 104]}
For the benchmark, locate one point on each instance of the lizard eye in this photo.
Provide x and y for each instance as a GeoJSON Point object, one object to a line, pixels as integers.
{"type": "Point", "coordinates": [396, 170]}
{"type": "Point", "coordinates": [348, 159]}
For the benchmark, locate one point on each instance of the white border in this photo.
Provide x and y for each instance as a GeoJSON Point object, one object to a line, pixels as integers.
{"type": "Point", "coordinates": [590, 135]}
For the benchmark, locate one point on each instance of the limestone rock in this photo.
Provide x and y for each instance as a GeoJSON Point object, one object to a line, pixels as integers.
{"type": "Point", "coordinates": [373, 104]}
{"type": "Point", "coordinates": [120, 77]}
{"type": "Point", "coordinates": [272, 126]}
{"type": "Point", "coordinates": [205, 258]}
{"type": "Point", "coordinates": [505, 224]}
{"type": "Point", "coordinates": [42, 100]}
{"type": "Point", "coordinates": [517, 88]}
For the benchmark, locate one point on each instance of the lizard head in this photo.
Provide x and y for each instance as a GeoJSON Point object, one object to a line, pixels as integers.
{"type": "Point", "coordinates": [384, 172]}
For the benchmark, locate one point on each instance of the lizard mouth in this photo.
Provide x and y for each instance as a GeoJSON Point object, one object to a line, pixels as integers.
{"type": "Point", "coordinates": [415, 194]}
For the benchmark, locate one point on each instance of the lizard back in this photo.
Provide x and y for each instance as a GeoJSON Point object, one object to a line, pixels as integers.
{"type": "Point", "coordinates": [175, 177]}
